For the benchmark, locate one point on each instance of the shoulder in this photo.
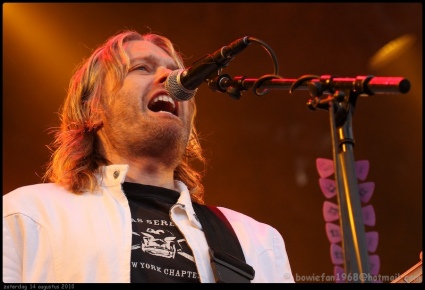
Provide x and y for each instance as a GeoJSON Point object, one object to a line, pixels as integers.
{"type": "Point", "coordinates": [235, 215]}
{"type": "Point", "coordinates": [33, 197]}
{"type": "Point", "coordinates": [35, 187]}
{"type": "Point", "coordinates": [244, 222]}
{"type": "Point", "coordinates": [34, 190]}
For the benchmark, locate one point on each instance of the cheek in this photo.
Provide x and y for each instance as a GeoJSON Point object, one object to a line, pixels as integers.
{"type": "Point", "coordinates": [128, 98]}
{"type": "Point", "coordinates": [124, 108]}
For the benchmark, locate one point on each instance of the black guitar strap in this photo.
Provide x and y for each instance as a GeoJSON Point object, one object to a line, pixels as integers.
{"type": "Point", "coordinates": [227, 258]}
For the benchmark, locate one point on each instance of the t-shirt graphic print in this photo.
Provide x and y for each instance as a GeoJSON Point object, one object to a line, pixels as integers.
{"type": "Point", "coordinates": [159, 252]}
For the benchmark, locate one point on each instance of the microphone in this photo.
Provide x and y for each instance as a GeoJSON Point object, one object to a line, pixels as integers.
{"type": "Point", "coordinates": [182, 84]}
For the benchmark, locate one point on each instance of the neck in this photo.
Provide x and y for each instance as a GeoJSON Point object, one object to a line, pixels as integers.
{"type": "Point", "coordinates": [150, 173]}
{"type": "Point", "coordinates": [147, 170]}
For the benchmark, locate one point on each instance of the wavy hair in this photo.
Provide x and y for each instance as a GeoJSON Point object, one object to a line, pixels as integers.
{"type": "Point", "coordinates": [76, 155]}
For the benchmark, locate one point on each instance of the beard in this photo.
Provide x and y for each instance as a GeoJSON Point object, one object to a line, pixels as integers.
{"type": "Point", "coordinates": [133, 132]}
{"type": "Point", "coordinates": [165, 142]}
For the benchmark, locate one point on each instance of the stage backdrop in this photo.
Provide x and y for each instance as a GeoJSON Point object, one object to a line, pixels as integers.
{"type": "Point", "coordinates": [262, 150]}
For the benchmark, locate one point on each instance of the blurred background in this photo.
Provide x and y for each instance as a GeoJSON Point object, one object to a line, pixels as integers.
{"type": "Point", "coordinates": [262, 150]}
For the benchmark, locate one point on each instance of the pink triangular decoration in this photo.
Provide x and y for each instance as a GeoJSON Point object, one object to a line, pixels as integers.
{"type": "Point", "coordinates": [336, 254]}
{"type": "Point", "coordinates": [372, 241]}
{"type": "Point", "coordinates": [366, 190]}
{"type": "Point", "coordinates": [374, 264]}
{"type": "Point", "coordinates": [339, 274]}
{"type": "Point", "coordinates": [333, 232]}
{"type": "Point", "coordinates": [325, 167]}
{"type": "Point", "coordinates": [328, 187]}
{"type": "Point", "coordinates": [368, 215]}
{"type": "Point", "coordinates": [330, 211]}
{"type": "Point", "coordinates": [362, 169]}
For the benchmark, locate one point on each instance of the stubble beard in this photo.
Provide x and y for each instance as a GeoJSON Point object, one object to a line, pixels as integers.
{"type": "Point", "coordinates": [165, 144]}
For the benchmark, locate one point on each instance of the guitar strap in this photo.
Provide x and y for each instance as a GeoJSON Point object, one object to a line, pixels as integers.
{"type": "Point", "coordinates": [227, 258]}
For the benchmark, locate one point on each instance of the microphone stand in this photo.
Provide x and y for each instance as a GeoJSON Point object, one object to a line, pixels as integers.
{"type": "Point", "coordinates": [351, 221]}
{"type": "Point", "coordinates": [340, 102]}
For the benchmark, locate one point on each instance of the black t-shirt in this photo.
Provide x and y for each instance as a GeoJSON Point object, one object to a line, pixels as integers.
{"type": "Point", "coordinates": [159, 252]}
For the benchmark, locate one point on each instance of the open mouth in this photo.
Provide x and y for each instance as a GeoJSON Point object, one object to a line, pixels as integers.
{"type": "Point", "coordinates": [163, 103]}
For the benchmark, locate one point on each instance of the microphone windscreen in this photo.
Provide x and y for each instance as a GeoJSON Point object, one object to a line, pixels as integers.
{"type": "Point", "coordinates": [176, 90]}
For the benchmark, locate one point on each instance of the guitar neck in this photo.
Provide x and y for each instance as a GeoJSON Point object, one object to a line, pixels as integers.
{"type": "Point", "coordinates": [413, 275]}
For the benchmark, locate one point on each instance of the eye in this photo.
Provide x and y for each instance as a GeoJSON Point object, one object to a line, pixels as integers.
{"type": "Point", "coordinates": [141, 68]}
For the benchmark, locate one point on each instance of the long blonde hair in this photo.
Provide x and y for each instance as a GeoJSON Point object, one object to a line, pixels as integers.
{"type": "Point", "coordinates": [76, 157]}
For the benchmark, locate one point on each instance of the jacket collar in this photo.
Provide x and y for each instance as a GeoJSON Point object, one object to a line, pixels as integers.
{"type": "Point", "coordinates": [114, 175]}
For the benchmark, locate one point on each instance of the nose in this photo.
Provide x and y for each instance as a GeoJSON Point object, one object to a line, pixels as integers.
{"type": "Point", "coordinates": [162, 74]}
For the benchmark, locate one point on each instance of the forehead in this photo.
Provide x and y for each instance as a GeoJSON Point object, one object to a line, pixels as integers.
{"type": "Point", "coordinates": [142, 49]}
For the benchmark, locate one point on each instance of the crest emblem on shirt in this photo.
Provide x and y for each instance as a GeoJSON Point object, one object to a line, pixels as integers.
{"type": "Point", "coordinates": [161, 243]}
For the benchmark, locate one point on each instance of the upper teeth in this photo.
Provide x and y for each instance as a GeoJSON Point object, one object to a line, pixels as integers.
{"type": "Point", "coordinates": [164, 98]}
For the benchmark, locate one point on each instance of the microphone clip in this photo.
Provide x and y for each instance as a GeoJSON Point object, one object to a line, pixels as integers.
{"type": "Point", "coordinates": [221, 83]}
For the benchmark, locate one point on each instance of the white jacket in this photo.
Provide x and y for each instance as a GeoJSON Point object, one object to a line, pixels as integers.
{"type": "Point", "coordinates": [53, 236]}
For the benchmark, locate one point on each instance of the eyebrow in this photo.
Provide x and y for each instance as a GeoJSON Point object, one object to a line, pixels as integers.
{"type": "Point", "coordinates": [154, 60]}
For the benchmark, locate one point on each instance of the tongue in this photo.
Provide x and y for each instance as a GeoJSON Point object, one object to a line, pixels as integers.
{"type": "Point", "coordinates": [162, 106]}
